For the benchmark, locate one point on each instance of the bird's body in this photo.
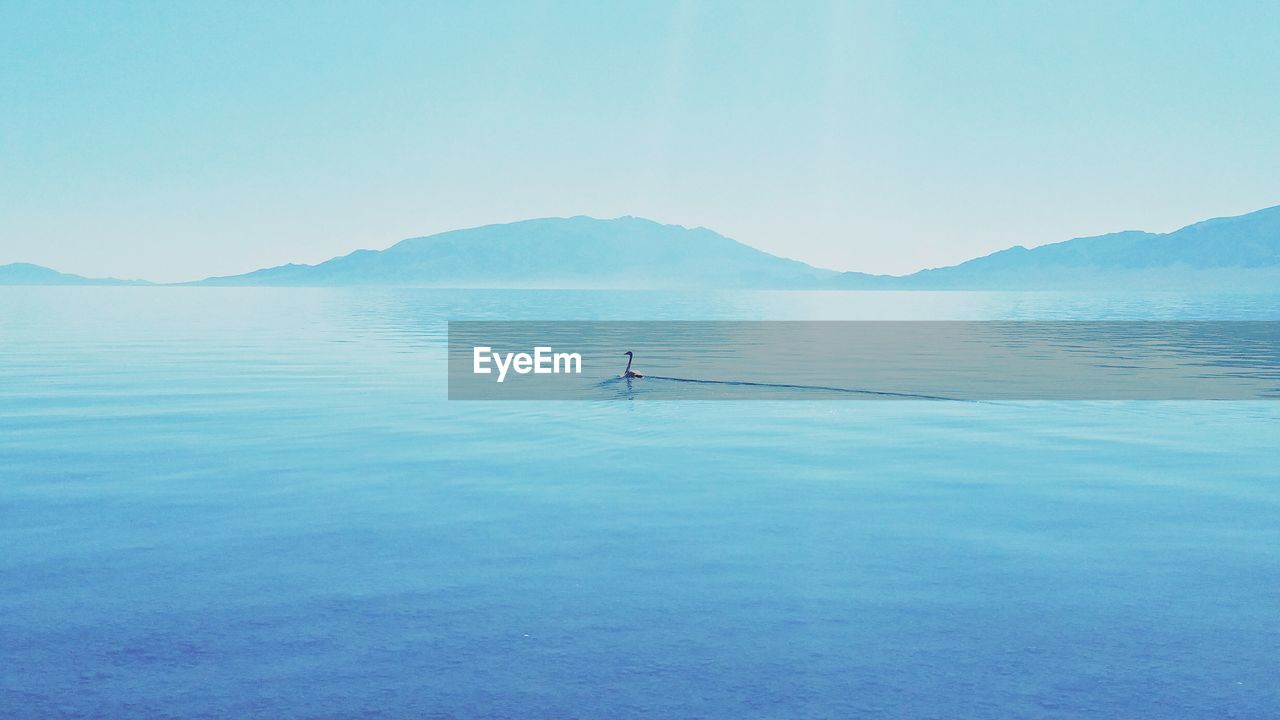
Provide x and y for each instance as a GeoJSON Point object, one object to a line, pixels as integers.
{"type": "Point", "coordinates": [628, 373]}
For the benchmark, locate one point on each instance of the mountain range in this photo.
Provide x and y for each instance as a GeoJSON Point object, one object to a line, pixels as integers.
{"type": "Point", "coordinates": [1240, 252]}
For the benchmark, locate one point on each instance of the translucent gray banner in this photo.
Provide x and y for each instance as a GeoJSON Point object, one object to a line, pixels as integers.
{"type": "Point", "coordinates": [857, 360]}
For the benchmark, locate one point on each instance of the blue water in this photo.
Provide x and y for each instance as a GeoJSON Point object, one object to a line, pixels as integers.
{"type": "Point", "coordinates": [257, 503]}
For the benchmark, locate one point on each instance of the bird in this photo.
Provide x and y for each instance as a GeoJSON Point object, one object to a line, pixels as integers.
{"type": "Point", "coordinates": [627, 373]}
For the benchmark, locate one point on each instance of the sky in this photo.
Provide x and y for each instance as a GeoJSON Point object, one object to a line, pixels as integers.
{"type": "Point", "coordinates": [177, 140]}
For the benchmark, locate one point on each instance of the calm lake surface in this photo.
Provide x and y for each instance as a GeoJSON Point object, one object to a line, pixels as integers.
{"type": "Point", "coordinates": [257, 503]}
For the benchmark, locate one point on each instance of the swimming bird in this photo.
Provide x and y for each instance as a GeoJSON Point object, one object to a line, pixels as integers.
{"type": "Point", "coordinates": [627, 373]}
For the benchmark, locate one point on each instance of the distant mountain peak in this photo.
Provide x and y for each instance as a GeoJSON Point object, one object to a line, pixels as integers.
{"type": "Point", "coordinates": [568, 252]}
{"type": "Point", "coordinates": [1238, 251]}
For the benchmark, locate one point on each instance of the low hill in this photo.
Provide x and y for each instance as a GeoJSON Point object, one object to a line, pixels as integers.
{"type": "Point", "coordinates": [29, 274]}
{"type": "Point", "coordinates": [576, 252]}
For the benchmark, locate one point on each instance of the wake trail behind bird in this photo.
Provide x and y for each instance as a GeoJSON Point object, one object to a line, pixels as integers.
{"type": "Point", "coordinates": [796, 386]}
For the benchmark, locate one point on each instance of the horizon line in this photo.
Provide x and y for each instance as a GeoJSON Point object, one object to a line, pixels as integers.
{"type": "Point", "coordinates": [643, 219]}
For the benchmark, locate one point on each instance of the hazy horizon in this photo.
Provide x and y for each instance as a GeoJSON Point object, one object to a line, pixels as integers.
{"type": "Point", "coordinates": [172, 142]}
{"type": "Point", "coordinates": [396, 242]}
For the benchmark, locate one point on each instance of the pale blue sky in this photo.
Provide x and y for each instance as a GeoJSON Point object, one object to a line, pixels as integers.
{"type": "Point", "coordinates": [178, 140]}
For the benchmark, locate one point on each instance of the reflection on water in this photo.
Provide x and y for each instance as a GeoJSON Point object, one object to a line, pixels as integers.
{"type": "Point", "coordinates": [257, 503]}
